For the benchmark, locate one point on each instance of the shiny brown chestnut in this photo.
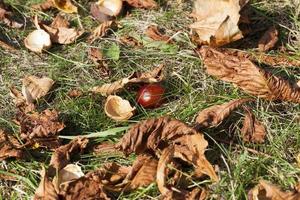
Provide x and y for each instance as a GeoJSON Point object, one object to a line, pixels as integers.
{"type": "Point", "coordinates": [150, 96]}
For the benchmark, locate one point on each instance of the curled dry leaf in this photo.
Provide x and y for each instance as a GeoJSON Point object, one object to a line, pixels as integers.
{"type": "Point", "coordinates": [62, 155]}
{"type": "Point", "coordinates": [217, 25]}
{"type": "Point", "coordinates": [34, 87]}
{"type": "Point", "coordinates": [214, 115]}
{"type": "Point", "coordinates": [268, 191]}
{"type": "Point", "coordinates": [5, 18]}
{"type": "Point", "coordinates": [10, 147]}
{"type": "Point", "coordinates": [45, 190]}
{"type": "Point", "coordinates": [41, 128]}
{"type": "Point", "coordinates": [100, 31]}
{"type": "Point", "coordinates": [20, 100]}
{"type": "Point", "coordinates": [96, 56]}
{"type": "Point", "coordinates": [147, 4]}
{"type": "Point", "coordinates": [69, 173]}
{"type": "Point", "coordinates": [247, 76]}
{"type": "Point", "coordinates": [130, 41]}
{"type": "Point", "coordinates": [153, 135]}
{"type": "Point", "coordinates": [118, 109]}
{"type": "Point", "coordinates": [74, 93]}
{"type": "Point", "coordinates": [154, 33]}
{"type": "Point", "coordinates": [65, 6]}
{"type": "Point", "coordinates": [44, 6]}
{"type": "Point", "coordinates": [37, 41]}
{"type": "Point", "coordinates": [253, 130]}
{"type": "Point", "coordinates": [268, 40]}
{"type": "Point", "coordinates": [154, 76]}
{"type": "Point", "coordinates": [60, 32]}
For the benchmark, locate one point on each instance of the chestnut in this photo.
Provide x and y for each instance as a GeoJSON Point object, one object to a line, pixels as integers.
{"type": "Point", "coordinates": [150, 95]}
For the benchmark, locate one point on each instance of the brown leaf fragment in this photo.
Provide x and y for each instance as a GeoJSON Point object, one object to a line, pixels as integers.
{"type": "Point", "coordinates": [267, 191]}
{"type": "Point", "coordinates": [247, 76]}
{"type": "Point", "coordinates": [45, 190]}
{"type": "Point", "coordinates": [6, 18]}
{"type": "Point", "coordinates": [74, 93]}
{"type": "Point", "coordinates": [217, 25]}
{"type": "Point", "coordinates": [155, 34]}
{"type": "Point", "coordinates": [147, 4]}
{"type": "Point", "coordinates": [154, 76]}
{"type": "Point", "coordinates": [252, 130]}
{"type": "Point", "coordinates": [39, 127]}
{"type": "Point", "coordinates": [20, 100]}
{"type": "Point", "coordinates": [62, 155]}
{"type": "Point", "coordinates": [97, 57]}
{"type": "Point", "coordinates": [10, 147]}
{"type": "Point", "coordinates": [7, 46]}
{"type": "Point", "coordinates": [60, 22]}
{"type": "Point", "coordinates": [44, 6]}
{"type": "Point", "coordinates": [268, 40]}
{"type": "Point", "coordinates": [100, 31]}
{"type": "Point", "coordinates": [34, 87]}
{"type": "Point", "coordinates": [65, 6]}
{"type": "Point", "coordinates": [214, 115]}
{"type": "Point", "coordinates": [130, 41]}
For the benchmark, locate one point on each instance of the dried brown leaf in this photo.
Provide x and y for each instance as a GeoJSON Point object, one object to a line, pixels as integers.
{"type": "Point", "coordinates": [10, 147]}
{"type": "Point", "coordinates": [100, 31]}
{"type": "Point", "coordinates": [20, 101]}
{"type": "Point", "coordinates": [6, 18]}
{"type": "Point", "coordinates": [44, 6]}
{"type": "Point", "coordinates": [267, 191]}
{"type": "Point", "coordinates": [74, 93]}
{"type": "Point", "coordinates": [153, 135]}
{"type": "Point", "coordinates": [155, 34]}
{"type": "Point", "coordinates": [268, 40]}
{"type": "Point", "coordinates": [97, 57]}
{"type": "Point", "coordinates": [34, 87]}
{"type": "Point", "coordinates": [130, 41]}
{"type": "Point", "coordinates": [45, 190]}
{"type": "Point", "coordinates": [65, 6]}
{"type": "Point", "coordinates": [147, 4]}
{"type": "Point", "coordinates": [253, 130]}
{"type": "Point", "coordinates": [217, 25]}
{"type": "Point", "coordinates": [62, 155]}
{"type": "Point", "coordinates": [41, 128]}
{"type": "Point", "coordinates": [154, 76]}
{"type": "Point", "coordinates": [214, 115]}
{"type": "Point", "coordinates": [118, 109]}
{"type": "Point", "coordinates": [247, 76]}
{"type": "Point", "coordinates": [7, 46]}
{"type": "Point", "coordinates": [60, 22]}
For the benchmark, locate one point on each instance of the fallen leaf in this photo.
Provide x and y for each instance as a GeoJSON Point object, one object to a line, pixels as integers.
{"type": "Point", "coordinates": [62, 155]}
{"type": "Point", "coordinates": [67, 174]}
{"type": "Point", "coordinates": [252, 130]}
{"type": "Point", "coordinates": [154, 33]}
{"type": "Point", "coordinates": [260, 57]}
{"type": "Point", "coordinates": [60, 32]}
{"type": "Point", "coordinates": [130, 41]}
{"type": "Point", "coordinates": [247, 76]}
{"type": "Point", "coordinates": [34, 87]}
{"type": "Point", "coordinates": [6, 18]}
{"type": "Point", "coordinates": [214, 115]}
{"type": "Point", "coordinates": [65, 6]}
{"type": "Point", "coordinates": [45, 190]}
{"type": "Point", "coordinates": [100, 31]}
{"type": "Point", "coordinates": [7, 46]}
{"type": "Point", "coordinates": [44, 6]}
{"type": "Point", "coordinates": [74, 93]}
{"type": "Point", "coordinates": [10, 147]}
{"type": "Point", "coordinates": [268, 191]}
{"type": "Point", "coordinates": [154, 76]}
{"type": "Point", "coordinates": [118, 109]}
{"type": "Point", "coordinates": [268, 40]}
{"type": "Point", "coordinates": [97, 57]}
{"type": "Point", "coordinates": [147, 4]}
{"type": "Point", "coordinates": [20, 100]}
{"type": "Point", "coordinates": [217, 25]}
{"type": "Point", "coordinates": [153, 135]}
{"type": "Point", "coordinates": [41, 128]}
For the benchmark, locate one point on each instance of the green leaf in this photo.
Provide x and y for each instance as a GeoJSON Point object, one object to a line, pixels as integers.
{"type": "Point", "coordinates": [112, 52]}
{"type": "Point", "coordinates": [101, 134]}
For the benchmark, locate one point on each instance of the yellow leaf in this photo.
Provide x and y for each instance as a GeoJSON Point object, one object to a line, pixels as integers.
{"type": "Point", "coordinates": [65, 6]}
